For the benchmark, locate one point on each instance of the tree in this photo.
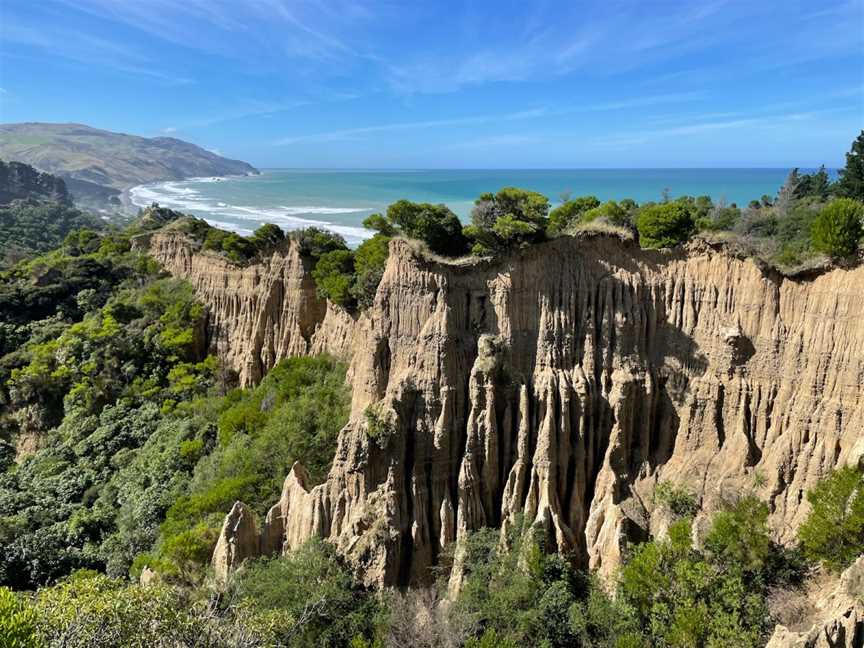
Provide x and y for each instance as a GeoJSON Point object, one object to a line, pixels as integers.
{"type": "Point", "coordinates": [570, 212]}
{"type": "Point", "coordinates": [380, 224]}
{"type": "Point", "coordinates": [833, 532]}
{"type": "Point", "coordinates": [267, 236]}
{"type": "Point", "coordinates": [334, 276]}
{"type": "Point", "coordinates": [786, 194]}
{"type": "Point", "coordinates": [665, 224]}
{"type": "Point", "coordinates": [838, 228]}
{"type": "Point", "coordinates": [306, 598]}
{"type": "Point", "coordinates": [682, 597]}
{"type": "Point", "coordinates": [512, 217]}
{"type": "Point", "coordinates": [315, 242]}
{"type": "Point", "coordinates": [851, 181]}
{"type": "Point", "coordinates": [369, 261]}
{"type": "Point", "coordinates": [739, 535]}
{"type": "Point", "coordinates": [436, 225]}
{"type": "Point", "coordinates": [816, 185]}
{"type": "Point", "coordinates": [610, 211]}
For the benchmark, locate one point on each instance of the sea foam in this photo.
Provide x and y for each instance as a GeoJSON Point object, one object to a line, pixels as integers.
{"type": "Point", "coordinates": [243, 219]}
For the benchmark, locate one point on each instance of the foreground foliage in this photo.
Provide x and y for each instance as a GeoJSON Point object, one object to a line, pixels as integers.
{"type": "Point", "coordinates": [295, 414]}
{"type": "Point", "coordinates": [833, 532]}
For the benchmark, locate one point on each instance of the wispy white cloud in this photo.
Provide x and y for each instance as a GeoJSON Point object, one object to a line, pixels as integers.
{"type": "Point", "coordinates": [84, 48]}
{"type": "Point", "coordinates": [695, 127]}
{"type": "Point", "coordinates": [354, 133]}
{"type": "Point", "coordinates": [476, 120]}
{"type": "Point", "coordinates": [256, 31]}
{"type": "Point", "coordinates": [491, 142]}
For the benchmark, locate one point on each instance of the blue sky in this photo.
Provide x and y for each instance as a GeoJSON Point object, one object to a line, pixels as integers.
{"type": "Point", "coordinates": [489, 84]}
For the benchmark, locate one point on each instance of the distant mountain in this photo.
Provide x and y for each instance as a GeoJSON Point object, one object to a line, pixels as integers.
{"type": "Point", "coordinates": [99, 164]}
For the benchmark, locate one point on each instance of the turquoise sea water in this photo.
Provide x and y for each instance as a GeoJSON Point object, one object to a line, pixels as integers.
{"type": "Point", "coordinates": [340, 200]}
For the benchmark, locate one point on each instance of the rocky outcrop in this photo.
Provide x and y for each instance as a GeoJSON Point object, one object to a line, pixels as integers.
{"type": "Point", "coordinates": [838, 608]}
{"type": "Point", "coordinates": [238, 540]}
{"type": "Point", "coordinates": [558, 385]}
{"type": "Point", "coordinates": [260, 313]}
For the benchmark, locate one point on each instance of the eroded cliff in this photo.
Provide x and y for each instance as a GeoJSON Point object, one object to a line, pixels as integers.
{"type": "Point", "coordinates": [559, 384]}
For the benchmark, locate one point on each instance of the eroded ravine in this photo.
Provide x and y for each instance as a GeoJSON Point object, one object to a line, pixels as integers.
{"type": "Point", "coordinates": [560, 384]}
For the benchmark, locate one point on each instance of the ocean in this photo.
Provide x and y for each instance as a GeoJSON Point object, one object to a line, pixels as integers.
{"type": "Point", "coordinates": [339, 200]}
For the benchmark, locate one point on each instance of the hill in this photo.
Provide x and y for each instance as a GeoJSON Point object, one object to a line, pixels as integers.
{"type": "Point", "coordinates": [98, 164]}
{"type": "Point", "coordinates": [36, 212]}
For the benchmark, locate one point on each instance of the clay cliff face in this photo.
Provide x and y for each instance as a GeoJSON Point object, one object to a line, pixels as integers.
{"type": "Point", "coordinates": [558, 386]}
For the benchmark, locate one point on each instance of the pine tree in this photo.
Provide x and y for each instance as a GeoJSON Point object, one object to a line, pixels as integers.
{"type": "Point", "coordinates": [851, 182]}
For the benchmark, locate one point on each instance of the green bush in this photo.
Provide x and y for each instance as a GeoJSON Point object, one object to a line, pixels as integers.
{"type": "Point", "coordinates": [678, 500]}
{"type": "Point", "coordinates": [510, 218]}
{"type": "Point", "coordinates": [838, 228]}
{"type": "Point", "coordinates": [306, 598]}
{"type": "Point", "coordinates": [833, 532]}
{"type": "Point", "coordinates": [334, 277]}
{"type": "Point", "coordinates": [665, 225]}
{"type": "Point", "coordinates": [519, 595]}
{"type": "Point", "coordinates": [316, 242]}
{"type": "Point", "coordinates": [267, 237]}
{"type": "Point", "coordinates": [681, 598]}
{"type": "Point", "coordinates": [570, 213]}
{"type": "Point", "coordinates": [739, 535]}
{"type": "Point", "coordinates": [380, 224]}
{"type": "Point", "coordinates": [370, 257]}
{"type": "Point", "coordinates": [294, 414]}
{"type": "Point", "coordinates": [610, 211]}
{"type": "Point", "coordinates": [435, 225]}
{"type": "Point", "coordinates": [379, 426]}
{"type": "Point", "coordinates": [17, 621]}
{"type": "Point", "coordinates": [237, 248]}
{"type": "Point", "coordinates": [93, 611]}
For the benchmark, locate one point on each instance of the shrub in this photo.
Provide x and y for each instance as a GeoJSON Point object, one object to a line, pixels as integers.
{"type": "Point", "coordinates": [678, 500]}
{"type": "Point", "coordinates": [93, 611]}
{"type": "Point", "coordinates": [316, 242]}
{"type": "Point", "coordinates": [369, 261]}
{"type": "Point", "coordinates": [334, 277]}
{"type": "Point", "coordinates": [610, 211]}
{"type": "Point", "coordinates": [267, 236]}
{"type": "Point", "coordinates": [665, 225]}
{"type": "Point", "coordinates": [512, 217]}
{"type": "Point", "coordinates": [234, 246]}
{"type": "Point", "coordinates": [681, 598]}
{"type": "Point", "coordinates": [379, 425]}
{"type": "Point", "coordinates": [833, 532]}
{"type": "Point", "coordinates": [380, 224]}
{"type": "Point", "coordinates": [17, 621]}
{"type": "Point", "coordinates": [516, 594]}
{"type": "Point", "coordinates": [738, 537]}
{"type": "Point", "coordinates": [570, 212]}
{"type": "Point", "coordinates": [306, 598]}
{"type": "Point", "coordinates": [838, 229]}
{"type": "Point", "coordinates": [435, 225]}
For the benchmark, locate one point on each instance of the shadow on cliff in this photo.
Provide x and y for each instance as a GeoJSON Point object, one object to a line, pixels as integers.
{"type": "Point", "coordinates": [592, 311]}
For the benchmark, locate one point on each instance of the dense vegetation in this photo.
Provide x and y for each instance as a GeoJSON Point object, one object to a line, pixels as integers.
{"type": "Point", "coordinates": [36, 213]}
{"type": "Point", "coordinates": [129, 438]}
{"type": "Point", "coordinates": [512, 593]}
